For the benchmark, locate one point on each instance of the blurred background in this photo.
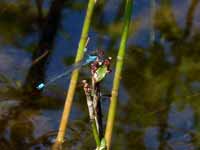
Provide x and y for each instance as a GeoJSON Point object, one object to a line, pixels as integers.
{"type": "Point", "coordinates": [158, 106]}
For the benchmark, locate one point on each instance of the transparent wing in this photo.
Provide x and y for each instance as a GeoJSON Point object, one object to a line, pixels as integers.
{"type": "Point", "coordinates": [84, 62]}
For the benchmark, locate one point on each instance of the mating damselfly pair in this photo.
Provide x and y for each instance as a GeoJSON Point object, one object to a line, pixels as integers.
{"type": "Point", "coordinates": [91, 57]}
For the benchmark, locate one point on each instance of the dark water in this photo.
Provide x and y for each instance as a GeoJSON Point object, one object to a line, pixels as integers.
{"type": "Point", "coordinates": [159, 95]}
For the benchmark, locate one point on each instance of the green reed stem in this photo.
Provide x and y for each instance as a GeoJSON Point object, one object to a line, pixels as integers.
{"type": "Point", "coordinates": [74, 76]}
{"type": "Point", "coordinates": [95, 133]}
{"type": "Point", "coordinates": [117, 77]}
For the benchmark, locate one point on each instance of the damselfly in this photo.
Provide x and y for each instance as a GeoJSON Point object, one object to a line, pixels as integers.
{"type": "Point", "coordinates": [87, 60]}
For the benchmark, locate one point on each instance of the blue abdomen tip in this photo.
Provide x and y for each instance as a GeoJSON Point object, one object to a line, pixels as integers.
{"type": "Point", "coordinates": [40, 86]}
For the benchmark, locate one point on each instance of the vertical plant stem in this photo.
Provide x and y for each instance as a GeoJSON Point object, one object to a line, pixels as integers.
{"type": "Point", "coordinates": [97, 107]}
{"type": "Point", "coordinates": [75, 73]}
{"type": "Point", "coordinates": [95, 133]}
{"type": "Point", "coordinates": [117, 76]}
{"type": "Point", "coordinates": [91, 111]}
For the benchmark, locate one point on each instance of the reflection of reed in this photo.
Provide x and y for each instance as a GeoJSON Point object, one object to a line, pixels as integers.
{"type": "Point", "coordinates": [152, 12]}
{"type": "Point", "coordinates": [190, 16]}
{"type": "Point", "coordinates": [39, 58]}
{"type": "Point", "coordinates": [47, 31]}
{"type": "Point", "coordinates": [5, 8]}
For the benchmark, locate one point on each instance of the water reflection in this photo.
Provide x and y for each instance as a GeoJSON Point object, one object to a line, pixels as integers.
{"type": "Point", "coordinates": [159, 101]}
